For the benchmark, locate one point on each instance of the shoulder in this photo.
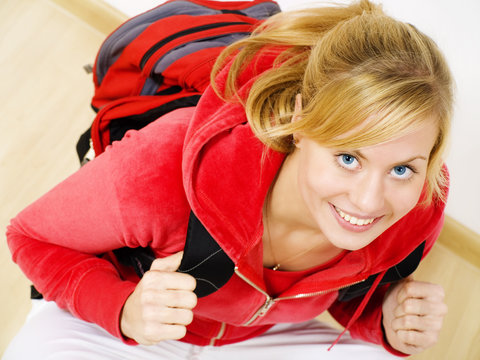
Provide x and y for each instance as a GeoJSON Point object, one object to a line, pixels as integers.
{"type": "Point", "coordinates": [155, 144]}
{"type": "Point", "coordinates": [146, 167]}
{"type": "Point", "coordinates": [168, 130]}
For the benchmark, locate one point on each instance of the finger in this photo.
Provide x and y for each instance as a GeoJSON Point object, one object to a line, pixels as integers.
{"type": "Point", "coordinates": [165, 315]}
{"type": "Point", "coordinates": [414, 306]}
{"type": "Point", "coordinates": [420, 290]}
{"type": "Point", "coordinates": [154, 333]}
{"type": "Point", "coordinates": [411, 349]}
{"type": "Point", "coordinates": [160, 280]}
{"type": "Point", "coordinates": [169, 263]}
{"type": "Point", "coordinates": [417, 339]}
{"type": "Point", "coordinates": [182, 299]}
{"type": "Point", "coordinates": [418, 323]}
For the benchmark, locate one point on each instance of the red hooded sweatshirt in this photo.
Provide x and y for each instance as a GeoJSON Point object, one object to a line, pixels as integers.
{"type": "Point", "coordinates": [140, 192]}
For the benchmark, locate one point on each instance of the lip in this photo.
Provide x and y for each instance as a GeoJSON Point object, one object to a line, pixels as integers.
{"type": "Point", "coordinates": [351, 227]}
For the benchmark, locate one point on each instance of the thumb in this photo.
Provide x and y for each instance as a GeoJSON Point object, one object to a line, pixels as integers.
{"type": "Point", "coordinates": [167, 264]}
{"type": "Point", "coordinates": [401, 284]}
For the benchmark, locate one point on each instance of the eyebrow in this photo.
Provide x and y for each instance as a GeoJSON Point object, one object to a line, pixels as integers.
{"type": "Point", "coordinates": [361, 156]}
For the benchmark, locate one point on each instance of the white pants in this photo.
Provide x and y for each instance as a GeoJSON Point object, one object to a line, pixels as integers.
{"type": "Point", "coordinates": [51, 333]}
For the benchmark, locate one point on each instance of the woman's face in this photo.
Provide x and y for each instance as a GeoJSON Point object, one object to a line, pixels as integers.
{"type": "Point", "coordinates": [353, 195]}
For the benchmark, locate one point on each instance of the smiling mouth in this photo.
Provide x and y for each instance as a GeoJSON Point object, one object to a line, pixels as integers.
{"type": "Point", "coordinates": [354, 220]}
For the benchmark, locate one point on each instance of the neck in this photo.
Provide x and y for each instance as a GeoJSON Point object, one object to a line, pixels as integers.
{"type": "Point", "coordinates": [289, 226]}
{"type": "Point", "coordinates": [285, 204]}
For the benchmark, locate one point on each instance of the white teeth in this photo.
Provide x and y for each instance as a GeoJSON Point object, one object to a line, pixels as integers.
{"type": "Point", "coordinates": [353, 220]}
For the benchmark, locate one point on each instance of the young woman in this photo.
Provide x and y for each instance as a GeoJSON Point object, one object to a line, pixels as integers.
{"type": "Point", "coordinates": [312, 170]}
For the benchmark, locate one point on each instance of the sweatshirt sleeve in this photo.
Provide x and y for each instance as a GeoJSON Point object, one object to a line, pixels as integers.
{"type": "Point", "coordinates": [131, 195]}
{"type": "Point", "coordinates": [368, 326]}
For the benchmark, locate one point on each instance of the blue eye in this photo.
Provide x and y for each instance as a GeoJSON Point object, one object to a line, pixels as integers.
{"type": "Point", "coordinates": [402, 172]}
{"type": "Point", "coordinates": [347, 161]}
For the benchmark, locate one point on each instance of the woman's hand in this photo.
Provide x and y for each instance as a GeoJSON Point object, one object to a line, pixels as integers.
{"type": "Point", "coordinates": [161, 305]}
{"type": "Point", "coordinates": [413, 313]}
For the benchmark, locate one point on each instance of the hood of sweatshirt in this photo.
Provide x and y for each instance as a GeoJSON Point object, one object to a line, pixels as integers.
{"type": "Point", "coordinates": [226, 180]}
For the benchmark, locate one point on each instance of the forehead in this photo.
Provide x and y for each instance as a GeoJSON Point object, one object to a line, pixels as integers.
{"type": "Point", "coordinates": [418, 142]}
{"type": "Point", "coordinates": [379, 129]}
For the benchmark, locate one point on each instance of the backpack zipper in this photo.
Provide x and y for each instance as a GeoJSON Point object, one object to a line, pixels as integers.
{"type": "Point", "coordinates": [149, 53]}
{"type": "Point", "coordinates": [270, 301]}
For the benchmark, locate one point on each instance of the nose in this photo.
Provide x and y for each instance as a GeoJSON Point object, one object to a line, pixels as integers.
{"type": "Point", "coordinates": [368, 194]}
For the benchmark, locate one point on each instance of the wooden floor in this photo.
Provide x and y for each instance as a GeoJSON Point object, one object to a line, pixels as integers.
{"type": "Point", "coordinates": [45, 96]}
{"type": "Point", "coordinates": [45, 106]}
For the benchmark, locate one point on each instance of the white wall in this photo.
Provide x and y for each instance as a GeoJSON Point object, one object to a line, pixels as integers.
{"type": "Point", "coordinates": [456, 29]}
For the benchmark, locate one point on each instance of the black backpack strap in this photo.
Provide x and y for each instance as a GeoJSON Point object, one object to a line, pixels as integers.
{"type": "Point", "coordinates": [203, 258]}
{"type": "Point", "coordinates": [400, 271]}
{"type": "Point", "coordinates": [34, 294]}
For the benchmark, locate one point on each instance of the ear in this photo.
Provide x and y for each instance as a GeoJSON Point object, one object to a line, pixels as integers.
{"type": "Point", "coordinates": [297, 116]}
{"type": "Point", "coordinates": [298, 108]}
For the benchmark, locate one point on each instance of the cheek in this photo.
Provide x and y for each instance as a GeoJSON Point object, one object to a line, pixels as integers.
{"type": "Point", "coordinates": [315, 181]}
{"type": "Point", "coordinates": [318, 189]}
{"type": "Point", "coordinates": [404, 200]}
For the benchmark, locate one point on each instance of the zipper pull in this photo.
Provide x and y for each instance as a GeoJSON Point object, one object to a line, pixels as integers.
{"type": "Point", "coordinates": [88, 68]}
{"type": "Point", "coordinates": [268, 304]}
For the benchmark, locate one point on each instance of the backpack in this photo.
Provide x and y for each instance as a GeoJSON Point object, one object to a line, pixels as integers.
{"type": "Point", "coordinates": [161, 60]}
{"type": "Point", "coordinates": [152, 64]}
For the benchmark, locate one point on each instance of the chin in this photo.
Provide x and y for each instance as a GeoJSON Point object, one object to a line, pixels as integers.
{"type": "Point", "coordinates": [354, 241]}
{"type": "Point", "coordinates": [354, 245]}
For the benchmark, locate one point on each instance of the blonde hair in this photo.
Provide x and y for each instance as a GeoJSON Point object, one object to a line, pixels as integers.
{"type": "Point", "coordinates": [349, 63]}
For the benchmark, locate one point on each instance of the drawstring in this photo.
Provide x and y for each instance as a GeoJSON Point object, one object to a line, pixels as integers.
{"type": "Point", "coordinates": [360, 308]}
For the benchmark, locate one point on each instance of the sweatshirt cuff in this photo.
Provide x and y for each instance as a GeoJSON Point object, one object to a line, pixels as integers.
{"type": "Point", "coordinates": [99, 298]}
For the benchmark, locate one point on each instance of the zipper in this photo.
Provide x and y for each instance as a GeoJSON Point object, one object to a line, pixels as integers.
{"type": "Point", "coordinates": [269, 301]}
{"type": "Point", "coordinates": [149, 53]}
{"type": "Point", "coordinates": [221, 332]}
